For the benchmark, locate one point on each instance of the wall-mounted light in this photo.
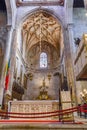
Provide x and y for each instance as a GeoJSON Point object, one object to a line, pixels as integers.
{"type": "Point", "coordinates": [30, 75]}
{"type": "Point", "coordinates": [49, 77]}
{"type": "Point", "coordinates": [85, 14]}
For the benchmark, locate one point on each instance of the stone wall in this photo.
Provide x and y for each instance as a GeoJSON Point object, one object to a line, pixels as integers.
{"type": "Point", "coordinates": [80, 27]}
{"type": "Point", "coordinates": [3, 33]}
{"type": "Point", "coordinates": [80, 22]}
{"type": "Point", "coordinates": [2, 18]}
{"type": "Point", "coordinates": [23, 12]}
{"type": "Point", "coordinates": [33, 86]}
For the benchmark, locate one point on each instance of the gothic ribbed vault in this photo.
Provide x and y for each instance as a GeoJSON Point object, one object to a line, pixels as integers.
{"type": "Point", "coordinates": [40, 28]}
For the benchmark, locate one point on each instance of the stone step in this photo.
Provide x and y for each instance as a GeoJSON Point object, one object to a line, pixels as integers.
{"type": "Point", "coordinates": [42, 126]}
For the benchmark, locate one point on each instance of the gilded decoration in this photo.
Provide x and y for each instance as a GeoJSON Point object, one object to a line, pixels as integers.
{"type": "Point", "coordinates": [30, 75]}
{"type": "Point", "coordinates": [83, 96]}
{"type": "Point", "coordinates": [25, 81]}
{"type": "Point", "coordinates": [43, 93]}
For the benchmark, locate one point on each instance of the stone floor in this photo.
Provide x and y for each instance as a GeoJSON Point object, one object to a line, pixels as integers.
{"type": "Point", "coordinates": [80, 119]}
{"type": "Point", "coordinates": [80, 124]}
{"type": "Point", "coordinates": [41, 126]}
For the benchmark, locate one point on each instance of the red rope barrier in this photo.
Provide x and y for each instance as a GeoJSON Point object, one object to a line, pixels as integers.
{"type": "Point", "coordinates": [40, 113]}
{"type": "Point", "coordinates": [83, 109]}
{"type": "Point", "coordinates": [54, 113]}
{"type": "Point", "coordinates": [61, 113]}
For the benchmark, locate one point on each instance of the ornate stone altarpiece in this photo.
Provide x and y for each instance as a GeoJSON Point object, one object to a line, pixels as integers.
{"type": "Point", "coordinates": [34, 107]}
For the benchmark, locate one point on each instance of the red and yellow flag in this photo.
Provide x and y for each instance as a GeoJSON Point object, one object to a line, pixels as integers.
{"type": "Point", "coordinates": [7, 75]}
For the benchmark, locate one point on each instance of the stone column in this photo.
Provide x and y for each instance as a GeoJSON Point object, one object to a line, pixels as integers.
{"type": "Point", "coordinates": [8, 93]}
{"type": "Point", "coordinates": [12, 61]}
{"type": "Point", "coordinates": [69, 59]}
{"type": "Point", "coordinates": [71, 40]}
{"type": "Point", "coordinates": [6, 59]}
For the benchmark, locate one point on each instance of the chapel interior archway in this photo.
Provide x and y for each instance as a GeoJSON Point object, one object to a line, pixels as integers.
{"type": "Point", "coordinates": [41, 33]}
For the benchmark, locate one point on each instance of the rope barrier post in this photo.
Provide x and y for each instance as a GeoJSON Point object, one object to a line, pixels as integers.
{"type": "Point", "coordinates": [85, 109]}
{"type": "Point", "coordinates": [60, 107]}
{"type": "Point", "coordinates": [79, 110]}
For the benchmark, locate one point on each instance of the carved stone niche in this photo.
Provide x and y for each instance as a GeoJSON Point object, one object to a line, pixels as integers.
{"type": "Point", "coordinates": [17, 91]}
{"type": "Point", "coordinates": [16, 95]}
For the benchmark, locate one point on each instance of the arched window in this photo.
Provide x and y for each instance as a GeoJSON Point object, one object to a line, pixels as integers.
{"type": "Point", "coordinates": [43, 60]}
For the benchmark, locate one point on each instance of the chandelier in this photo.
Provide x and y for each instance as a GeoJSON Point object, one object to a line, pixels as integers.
{"type": "Point", "coordinates": [40, 30]}
{"type": "Point", "coordinates": [83, 95]}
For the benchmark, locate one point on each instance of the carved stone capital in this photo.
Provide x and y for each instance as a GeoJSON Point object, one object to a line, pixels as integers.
{"type": "Point", "coordinates": [70, 26]}
{"type": "Point", "coordinates": [8, 27]}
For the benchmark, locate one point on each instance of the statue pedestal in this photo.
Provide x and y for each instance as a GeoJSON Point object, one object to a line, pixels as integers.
{"type": "Point", "coordinates": [34, 106]}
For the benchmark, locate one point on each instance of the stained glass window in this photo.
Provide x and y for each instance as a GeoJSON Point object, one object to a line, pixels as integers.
{"type": "Point", "coordinates": [43, 60]}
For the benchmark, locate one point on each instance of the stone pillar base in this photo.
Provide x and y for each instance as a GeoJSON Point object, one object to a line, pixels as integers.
{"type": "Point", "coordinates": [7, 98]}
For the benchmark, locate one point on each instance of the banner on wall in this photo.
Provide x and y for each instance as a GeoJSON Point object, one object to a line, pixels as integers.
{"type": "Point", "coordinates": [7, 74]}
